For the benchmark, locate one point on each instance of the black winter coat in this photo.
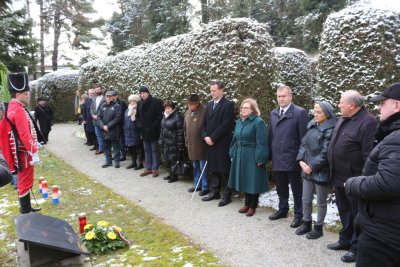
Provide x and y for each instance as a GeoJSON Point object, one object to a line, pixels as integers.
{"type": "Point", "coordinates": [352, 141]}
{"type": "Point", "coordinates": [87, 116]}
{"type": "Point", "coordinates": [378, 189]}
{"type": "Point", "coordinates": [171, 136]}
{"type": "Point", "coordinates": [218, 125]}
{"type": "Point", "coordinates": [314, 149]}
{"type": "Point", "coordinates": [44, 115]}
{"type": "Point", "coordinates": [110, 115]}
{"type": "Point", "coordinates": [150, 114]}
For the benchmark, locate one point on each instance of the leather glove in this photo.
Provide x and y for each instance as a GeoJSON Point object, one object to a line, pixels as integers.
{"type": "Point", "coordinates": [35, 159]}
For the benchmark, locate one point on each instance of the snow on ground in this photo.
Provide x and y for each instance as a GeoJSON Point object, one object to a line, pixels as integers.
{"type": "Point", "coordinates": [270, 199]}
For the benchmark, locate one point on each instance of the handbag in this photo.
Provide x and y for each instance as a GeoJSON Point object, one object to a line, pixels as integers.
{"type": "Point", "coordinates": [180, 167]}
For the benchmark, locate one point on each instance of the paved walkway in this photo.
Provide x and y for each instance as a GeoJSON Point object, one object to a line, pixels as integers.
{"type": "Point", "coordinates": [235, 239]}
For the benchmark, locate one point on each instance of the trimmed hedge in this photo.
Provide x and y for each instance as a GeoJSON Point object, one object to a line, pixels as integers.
{"type": "Point", "coordinates": [360, 49]}
{"type": "Point", "coordinates": [236, 51]}
{"type": "Point", "coordinates": [58, 88]}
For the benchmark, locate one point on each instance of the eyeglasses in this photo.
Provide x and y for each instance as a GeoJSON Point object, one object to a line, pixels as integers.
{"type": "Point", "coordinates": [245, 107]}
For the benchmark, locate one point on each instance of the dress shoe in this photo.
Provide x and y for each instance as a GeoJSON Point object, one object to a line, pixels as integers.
{"type": "Point", "coordinates": [191, 190]}
{"type": "Point", "coordinates": [145, 172]}
{"type": "Point", "coordinates": [106, 165]}
{"type": "Point", "coordinates": [338, 246]}
{"type": "Point", "coordinates": [349, 257]}
{"type": "Point", "coordinates": [250, 212]}
{"type": "Point", "coordinates": [140, 166]}
{"type": "Point", "coordinates": [122, 159]}
{"type": "Point", "coordinates": [296, 222]}
{"type": "Point", "coordinates": [173, 179]}
{"type": "Point", "coordinates": [155, 173]}
{"type": "Point", "coordinates": [204, 192]}
{"type": "Point", "coordinates": [98, 152]}
{"type": "Point", "coordinates": [211, 196]}
{"type": "Point", "coordinates": [86, 143]}
{"type": "Point", "coordinates": [243, 209]}
{"type": "Point", "coordinates": [167, 177]}
{"type": "Point", "coordinates": [278, 215]}
{"type": "Point", "coordinates": [116, 165]}
{"type": "Point", "coordinates": [93, 149]}
{"type": "Point", "coordinates": [132, 165]}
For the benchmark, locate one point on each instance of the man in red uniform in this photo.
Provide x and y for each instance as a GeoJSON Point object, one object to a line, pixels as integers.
{"type": "Point", "coordinates": [20, 148]}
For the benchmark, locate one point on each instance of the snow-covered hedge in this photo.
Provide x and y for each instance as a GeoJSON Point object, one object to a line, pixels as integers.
{"type": "Point", "coordinates": [360, 49]}
{"type": "Point", "coordinates": [296, 69]}
{"type": "Point", "coordinates": [58, 88]}
{"type": "Point", "coordinates": [236, 51]}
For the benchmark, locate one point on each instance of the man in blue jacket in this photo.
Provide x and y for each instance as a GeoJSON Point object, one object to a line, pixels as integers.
{"type": "Point", "coordinates": [288, 125]}
{"type": "Point", "coordinates": [378, 188]}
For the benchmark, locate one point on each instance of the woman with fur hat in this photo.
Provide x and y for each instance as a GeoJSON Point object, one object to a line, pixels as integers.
{"type": "Point", "coordinates": [133, 141]}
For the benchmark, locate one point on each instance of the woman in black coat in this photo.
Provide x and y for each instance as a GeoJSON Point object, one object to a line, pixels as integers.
{"type": "Point", "coordinates": [44, 115]}
{"type": "Point", "coordinates": [313, 161]}
{"type": "Point", "coordinates": [171, 137]}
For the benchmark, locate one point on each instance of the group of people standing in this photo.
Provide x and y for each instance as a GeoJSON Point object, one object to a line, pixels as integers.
{"type": "Point", "coordinates": [355, 153]}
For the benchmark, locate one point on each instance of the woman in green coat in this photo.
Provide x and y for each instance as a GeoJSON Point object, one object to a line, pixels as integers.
{"type": "Point", "coordinates": [249, 153]}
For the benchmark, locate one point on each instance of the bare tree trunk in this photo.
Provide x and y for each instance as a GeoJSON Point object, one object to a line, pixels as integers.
{"type": "Point", "coordinates": [204, 12]}
{"type": "Point", "coordinates": [42, 31]}
{"type": "Point", "coordinates": [57, 33]}
{"type": "Point", "coordinates": [32, 67]}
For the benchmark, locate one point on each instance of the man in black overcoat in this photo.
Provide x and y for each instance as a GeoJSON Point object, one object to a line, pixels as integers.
{"type": "Point", "coordinates": [150, 110]}
{"type": "Point", "coordinates": [378, 188]}
{"type": "Point", "coordinates": [217, 133]}
{"type": "Point", "coordinates": [352, 141]}
{"type": "Point", "coordinates": [44, 115]}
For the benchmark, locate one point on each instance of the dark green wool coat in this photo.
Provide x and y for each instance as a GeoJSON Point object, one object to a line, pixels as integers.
{"type": "Point", "coordinates": [249, 146]}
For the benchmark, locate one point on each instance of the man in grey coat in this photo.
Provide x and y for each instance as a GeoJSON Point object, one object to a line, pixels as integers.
{"type": "Point", "coordinates": [97, 102]}
{"type": "Point", "coordinates": [288, 125]}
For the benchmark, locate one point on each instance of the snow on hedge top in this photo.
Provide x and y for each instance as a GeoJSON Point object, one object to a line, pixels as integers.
{"type": "Point", "coordinates": [61, 79]}
{"type": "Point", "coordinates": [360, 49]}
{"type": "Point", "coordinates": [296, 69]}
{"type": "Point", "coordinates": [236, 51]}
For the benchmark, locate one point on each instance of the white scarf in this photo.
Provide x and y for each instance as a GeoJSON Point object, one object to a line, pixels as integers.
{"type": "Point", "coordinates": [132, 112]}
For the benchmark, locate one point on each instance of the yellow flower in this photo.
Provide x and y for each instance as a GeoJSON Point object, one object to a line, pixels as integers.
{"type": "Point", "coordinates": [118, 229]}
{"type": "Point", "coordinates": [111, 235]}
{"type": "Point", "coordinates": [87, 227]}
{"type": "Point", "coordinates": [102, 223]}
{"type": "Point", "coordinates": [90, 235]}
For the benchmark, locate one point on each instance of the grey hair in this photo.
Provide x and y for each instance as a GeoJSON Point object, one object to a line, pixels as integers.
{"type": "Point", "coordinates": [353, 96]}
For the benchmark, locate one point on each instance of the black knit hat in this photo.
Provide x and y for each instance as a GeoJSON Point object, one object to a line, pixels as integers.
{"type": "Point", "coordinates": [144, 88]}
{"type": "Point", "coordinates": [18, 82]}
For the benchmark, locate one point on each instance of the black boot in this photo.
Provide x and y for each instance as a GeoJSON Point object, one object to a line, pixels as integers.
{"type": "Point", "coordinates": [316, 232]}
{"type": "Point", "coordinates": [227, 198]}
{"type": "Point", "coordinates": [132, 165]}
{"type": "Point", "coordinates": [25, 205]}
{"type": "Point", "coordinates": [138, 167]}
{"type": "Point", "coordinates": [304, 228]}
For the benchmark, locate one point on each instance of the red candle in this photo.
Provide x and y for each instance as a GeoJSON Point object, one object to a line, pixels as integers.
{"type": "Point", "coordinates": [82, 222]}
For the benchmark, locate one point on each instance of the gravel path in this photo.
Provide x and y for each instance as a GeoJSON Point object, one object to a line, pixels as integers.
{"type": "Point", "coordinates": [235, 239]}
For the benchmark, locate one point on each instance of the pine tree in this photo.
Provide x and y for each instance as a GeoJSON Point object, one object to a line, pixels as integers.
{"type": "Point", "coordinates": [16, 46]}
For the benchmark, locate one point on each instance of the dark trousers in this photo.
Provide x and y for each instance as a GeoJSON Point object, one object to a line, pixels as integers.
{"type": "Point", "coordinates": [92, 139]}
{"type": "Point", "coordinates": [251, 200]}
{"type": "Point", "coordinates": [137, 153]}
{"type": "Point", "coordinates": [116, 149]}
{"type": "Point", "coordinates": [348, 208]}
{"type": "Point", "coordinates": [215, 181]}
{"type": "Point", "coordinates": [283, 179]}
{"type": "Point", "coordinates": [372, 252]}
